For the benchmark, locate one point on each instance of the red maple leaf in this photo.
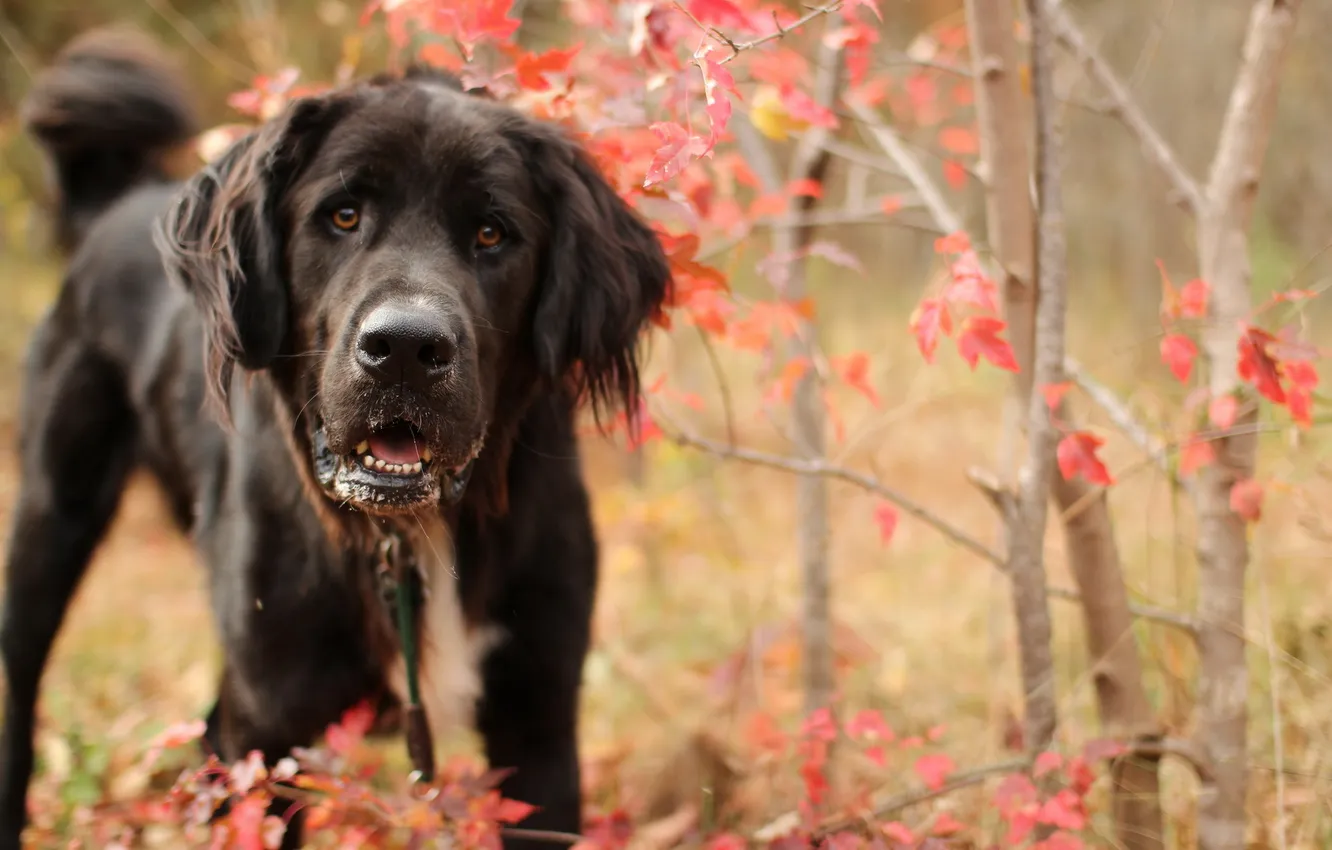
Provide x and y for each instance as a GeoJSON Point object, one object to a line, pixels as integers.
{"type": "Point", "coordinates": [678, 148]}
{"type": "Point", "coordinates": [934, 770]}
{"type": "Point", "coordinates": [1178, 351]}
{"type": "Point", "coordinates": [1222, 410]}
{"type": "Point", "coordinates": [955, 173]}
{"type": "Point", "coordinates": [1246, 499]}
{"type": "Point", "coordinates": [854, 370]}
{"type": "Point", "coordinates": [928, 320]}
{"type": "Point", "coordinates": [343, 736]}
{"type": "Point", "coordinates": [953, 243]}
{"type": "Point", "coordinates": [899, 832]}
{"type": "Point", "coordinates": [959, 140]}
{"type": "Point", "coordinates": [781, 68]}
{"type": "Point", "coordinates": [1193, 299]}
{"type": "Point", "coordinates": [1077, 456]}
{"type": "Point", "coordinates": [885, 517]}
{"type": "Point", "coordinates": [978, 336]}
{"type": "Point", "coordinates": [1257, 365]}
{"type": "Point", "coordinates": [1194, 454]}
{"type": "Point", "coordinates": [1054, 393]}
{"type": "Point", "coordinates": [531, 68]}
{"type": "Point", "coordinates": [869, 725]}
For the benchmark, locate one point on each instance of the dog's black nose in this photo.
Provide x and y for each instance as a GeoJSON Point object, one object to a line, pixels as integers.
{"type": "Point", "coordinates": [406, 345]}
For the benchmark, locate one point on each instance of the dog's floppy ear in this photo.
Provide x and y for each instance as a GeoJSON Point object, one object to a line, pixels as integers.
{"type": "Point", "coordinates": [223, 240]}
{"type": "Point", "coordinates": [604, 274]}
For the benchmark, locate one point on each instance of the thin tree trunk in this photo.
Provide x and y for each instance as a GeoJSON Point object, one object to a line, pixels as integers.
{"type": "Point", "coordinates": [1026, 547]}
{"type": "Point", "coordinates": [1088, 531]}
{"type": "Point", "coordinates": [1223, 552]}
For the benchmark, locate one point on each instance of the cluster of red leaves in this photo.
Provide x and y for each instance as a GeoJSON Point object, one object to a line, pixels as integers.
{"type": "Point", "coordinates": [970, 294]}
{"type": "Point", "coordinates": [1279, 367]}
{"type": "Point", "coordinates": [220, 805]}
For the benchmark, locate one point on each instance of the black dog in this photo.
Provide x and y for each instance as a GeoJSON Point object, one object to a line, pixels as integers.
{"type": "Point", "coordinates": [420, 285]}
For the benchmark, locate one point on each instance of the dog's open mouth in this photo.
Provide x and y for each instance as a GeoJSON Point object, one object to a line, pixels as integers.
{"type": "Point", "coordinates": [392, 470]}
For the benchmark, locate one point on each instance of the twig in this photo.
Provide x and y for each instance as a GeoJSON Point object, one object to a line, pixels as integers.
{"type": "Point", "coordinates": [906, 503]}
{"type": "Point", "coordinates": [915, 796]}
{"type": "Point", "coordinates": [906, 162]}
{"type": "Point", "coordinates": [825, 469]}
{"type": "Point", "coordinates": [1124, 107]}
{"type": "Point", "coordinates": [739, 47]}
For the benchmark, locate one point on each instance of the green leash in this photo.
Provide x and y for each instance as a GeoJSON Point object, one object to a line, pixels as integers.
{"type": "Point", "coordinates": [401, 577]}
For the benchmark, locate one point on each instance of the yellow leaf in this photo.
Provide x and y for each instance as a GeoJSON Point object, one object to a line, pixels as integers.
{"type": "Point", "coordinates": [770, 117]}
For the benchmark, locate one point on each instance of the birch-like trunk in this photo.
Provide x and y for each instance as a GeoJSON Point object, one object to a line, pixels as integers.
{"type": "Point", "coordinates": [1223, 550]}
{"type": "Point", "coordinates": [1088, 531]}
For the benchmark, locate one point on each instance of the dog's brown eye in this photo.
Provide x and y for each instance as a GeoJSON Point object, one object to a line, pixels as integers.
{"type": "Point", "coordinates": [489, 236]}
{"type": "Point", "coordinates": [346, 218]}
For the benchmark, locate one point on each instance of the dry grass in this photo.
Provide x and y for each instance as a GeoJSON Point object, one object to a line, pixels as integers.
{"type": "Point", "coordinates": [699, 556]}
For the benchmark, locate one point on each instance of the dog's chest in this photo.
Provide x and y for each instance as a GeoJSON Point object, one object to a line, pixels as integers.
{"type": "Point", "coordinates": [450, 649]}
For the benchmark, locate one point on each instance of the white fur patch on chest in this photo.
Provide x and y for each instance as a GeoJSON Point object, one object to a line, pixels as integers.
{"type": "Point", "coordinates": [451, 650]}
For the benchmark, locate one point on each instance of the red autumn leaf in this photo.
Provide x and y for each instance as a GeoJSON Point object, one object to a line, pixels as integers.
{"type": "Point", "coordinates": [727, 841]}
{"type": "Point", "coordinates": [769, 206]}
{"type": "Point", "coordinates": [1064, 810]}
{"type": "Point", "coordinates": [511, 811]}
{"type": "Point", "coordinates": [978, 336]}
{"type": "Point", "coordinates": [1194, 454]}
{"type": "Point", "coordinates": [783, 67]}
{"type": "Point", "coordinates": [1103, 749]}
{"type": "Point", "coordinates": [246, 820]}
{"type": "Point", "coordinates": [678, 148]}
{"type": "Point", "coordinates": [1178, 352]}
{"type": "Point", "coordinates": [946, 825]}
{"type": "Point", "coordinates": [927, 321]}
{"type": "Point", "coordinates": [1222, 410]}
{"type": "Point", "coordinates": [869, 725]}
{"type": "Point", "coordinates": [763, 733]}
{"type": "Point", "coordinates": [792, 372]}
{"type": "Point", "coordinates": [1246, 499]}
{"type": "Point", "coordinates": [1193, 299]}
{"type": "Point", "coordinates": [885, 516]}
{"type": "Point", "coordinates": [531, 68]}
{"type": "Point", "coordinates": [806, 187]}
{"type": "Point", "coordinates": [891, 205]}
{"type": "Point", "coordinates": [1256, 364]}
{"type": "Point", "coordinates": [854, 371]}
{"type": "Point", "coordinates": [934, 770]}
{"type": "Point", "coordinates": [343, 736]}
{"type": "Point", "coordinates": [899, 832]}
{"type": "Point", "coordinates": [968, 284]}
{"type": "Point", "coordinates": [955, 173]}
{"type": "Point", "coordinates": [1054, 393]}
{"type": "Point", "coordinates": [921, 93]}
{"type": "Point", "coordinates": [1299, 402]}
{"type": "Point", "coordinates": [959, 140]}
{"type": "Point", "coordinates": [719, 13]}
{"type": "Point", "coordinates": [802, 107]}
{"type": "Point", "coordinates": [1047, 762]}
{"type": "Point", "coordinates": [489, 19]}
{"type": "Point", "coordinates": [877, 756]}
{"type": "Point", "coordinates": [820, 726]}
{"type": "Point", "coordinates": [179, 734]}
{"type": "Point", "coordinates": [953, 243]}
{"type": "Point", "coordinates": [1077, 456]}
{"type": "Point", "coordinates": [1300, 373]}
{"type": "Point", "coordinates": [717, 82]}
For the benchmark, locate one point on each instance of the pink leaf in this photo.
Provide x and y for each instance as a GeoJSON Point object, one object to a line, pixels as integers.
{"type": "Point", "coordinates": [934, 770]}
{"type": "Point", "coordinates": [1193, 299]}
{"type": "Point", "coordinates": [979, 337]}
{"type": "Point", "coordinates": [1223, 410]}
{"type": "Point", "coordinates": [678, 148]}
{"type": "Point", "coordinates": [1077, 456]}
{"type": "Point", "coordinates": [1246, 499]}
{"type": "Point", "coordinates": [1178, 352]}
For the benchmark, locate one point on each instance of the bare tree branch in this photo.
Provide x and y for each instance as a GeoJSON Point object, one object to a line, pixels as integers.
{"type": "Point", "coordinates": [1123, 106]}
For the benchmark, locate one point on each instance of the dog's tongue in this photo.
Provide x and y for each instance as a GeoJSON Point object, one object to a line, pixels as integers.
{"type": "Point", "coordinates": [396, 444]}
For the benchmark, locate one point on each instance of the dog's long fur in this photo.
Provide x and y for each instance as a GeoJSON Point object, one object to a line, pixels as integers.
{"type": "Point", "coordinates": [121, 371]}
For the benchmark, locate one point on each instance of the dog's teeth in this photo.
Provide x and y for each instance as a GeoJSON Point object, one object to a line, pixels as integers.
{"type": "Point", "coordinates": [363, 447]}
{"type": "Point", "coordinates": [379, 464]}
{"type": "Point", "coordinates": [416, 467]}
{"type": "Point", "coordinates": [426, 456]}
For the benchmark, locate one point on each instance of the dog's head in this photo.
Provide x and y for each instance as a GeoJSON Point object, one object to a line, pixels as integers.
{"type": "Point", "coordinates": [411, 263]}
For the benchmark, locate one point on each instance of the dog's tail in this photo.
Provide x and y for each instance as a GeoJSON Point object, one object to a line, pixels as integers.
{"type": "Point", "coordinates": [107, 114]}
